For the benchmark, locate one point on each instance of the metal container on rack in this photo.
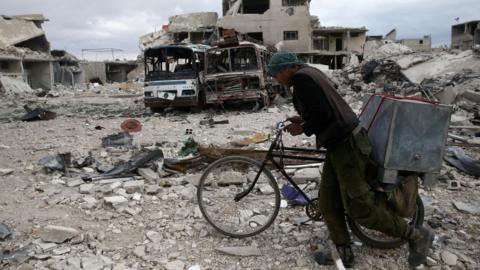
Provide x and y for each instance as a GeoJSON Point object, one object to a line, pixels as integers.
{"type": "Point", "coordinates": [407, 134]}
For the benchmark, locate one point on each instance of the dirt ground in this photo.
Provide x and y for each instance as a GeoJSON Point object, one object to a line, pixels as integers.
{"type": "Point", "coordinates": [166, 230]}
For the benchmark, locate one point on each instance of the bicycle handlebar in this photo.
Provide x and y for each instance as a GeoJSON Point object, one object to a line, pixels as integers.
{"type": "Point", "coordinates": [281, 125]}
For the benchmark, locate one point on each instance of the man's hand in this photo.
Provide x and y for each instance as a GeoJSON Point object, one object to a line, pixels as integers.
{"type": "Point", "coordinates": [294, 129]}
{"type": "Point", "coordinates": [295, 119]}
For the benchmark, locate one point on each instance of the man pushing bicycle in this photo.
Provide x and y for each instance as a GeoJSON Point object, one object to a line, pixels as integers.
{"type": "Point", "coordinates": [344, 185]}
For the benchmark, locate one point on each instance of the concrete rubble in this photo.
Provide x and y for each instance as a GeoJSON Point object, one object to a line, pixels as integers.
{"type": "Point", "coordinates": [77, 216]}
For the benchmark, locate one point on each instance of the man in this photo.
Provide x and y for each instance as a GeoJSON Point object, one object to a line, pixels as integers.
{"type": "Point", "coordinates": [344, 186]}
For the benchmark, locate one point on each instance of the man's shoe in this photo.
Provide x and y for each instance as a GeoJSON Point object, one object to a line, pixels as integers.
{"type": "Point", "coordinates": [344, 251]}
{"type": "Point", "coordinates": [420, 240]}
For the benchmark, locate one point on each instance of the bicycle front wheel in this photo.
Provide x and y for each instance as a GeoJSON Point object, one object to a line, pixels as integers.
{"type": "Point", "coordinates": [225, 179]}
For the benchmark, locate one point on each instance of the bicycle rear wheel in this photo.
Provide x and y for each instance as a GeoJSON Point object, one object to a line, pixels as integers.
{"type": "Point", "coordinates": [382, 241]}
{"type": "Point", "coordinates": [226, 178]}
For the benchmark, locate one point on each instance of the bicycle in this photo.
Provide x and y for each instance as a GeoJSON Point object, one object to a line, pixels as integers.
{"type": "Point", "coordinates": [235, 195]}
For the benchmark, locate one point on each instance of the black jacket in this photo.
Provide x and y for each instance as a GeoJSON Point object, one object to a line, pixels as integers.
{"type": "Point", "coordinates": [322, 109]}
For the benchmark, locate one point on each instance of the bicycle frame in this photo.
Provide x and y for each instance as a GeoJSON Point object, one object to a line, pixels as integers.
{"type": "Point", "coordinates": [277, 143]}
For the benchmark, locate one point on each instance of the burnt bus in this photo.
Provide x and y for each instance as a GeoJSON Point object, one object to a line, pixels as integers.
{"type": "Point", "coordinates": [238, 73]}
{"type": "Point", "coordinates": [172, 76]}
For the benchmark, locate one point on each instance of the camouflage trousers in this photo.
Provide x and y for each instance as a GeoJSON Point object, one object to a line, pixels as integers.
{"type": "Point", "coordinates": [344, 188]}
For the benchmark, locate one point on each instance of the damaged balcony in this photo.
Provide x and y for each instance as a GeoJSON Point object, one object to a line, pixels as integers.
{"type": "Point", "coordinates": [333, 46]}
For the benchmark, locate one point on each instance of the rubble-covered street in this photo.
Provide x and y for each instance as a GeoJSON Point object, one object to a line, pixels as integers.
{"type": "Point", "coordinates": [151, 220]}
{"type": "Point", "coordinates": [103, 143]}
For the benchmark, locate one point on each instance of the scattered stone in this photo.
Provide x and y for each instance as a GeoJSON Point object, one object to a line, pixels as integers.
{"type": "Point", "coordinates": [193, 179]}
{"type": "Point", "coordinates": [115, 185]}
{"type": "Point", "coordinates": [58, 234]}
{"type": "Point", "coordinates": [4, 231]}
{"type": "Point", "coordinates": [46, 246]}
{"type": "Point", "coordinates": [188, 193]}
{"type": "Point", "coordinates": [453, 185]}
{"type": "Point", "coordinates": [4, 172]}
{"type": "Point", "coordinates": [61, 251]}
{"type": "Point", "coordinates": [74, 182]}
{"type": "Point", "coordinates": [266, 189]}
{"type": "Point", "coordinates": [240, 251]}
{"type": "Point", "coordinates": [148, 174]}
{"type": "Point", "coordinates": [304, 175]}
{"type": "Point", "coordinates": [195, 267]}
{"type": "Point", "coordinates": [134, 186]}
{"type": "Point", "coordinates": [74, 263]}
{"type": "Point", "coordinates": [93, 263]}
{"type": "Point", "coordinates": [137, 197]}
{"type": "Point", "coordinates": [153, 236]}
{"type": "Point", "coordinates": [120, 266]}
{"type": "Point", "coordinates": [87, 188]}
{"type": "Point", "coordinates": [152, 189]}
{"type": "Point", "coordinates": [139, 251]}
{"type": "Point", "coordinates": [431, 262]}
{"type": "Point", "coordinates": [116, 201]}
{"type": "Point", "coordinates": [467, 208]}
{"type": "Point", "coordinates": [449, 258]}
{"type": "Point", "coordinates": [89, 202]}
{"type": "Point", "coordinates": [175, 265]}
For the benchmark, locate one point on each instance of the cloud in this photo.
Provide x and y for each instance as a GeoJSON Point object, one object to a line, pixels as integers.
{"type": "Point", "coordinates": [75, 25]}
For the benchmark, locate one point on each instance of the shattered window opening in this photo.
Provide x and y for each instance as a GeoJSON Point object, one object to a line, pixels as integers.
{"type": "Point", "coordinates": [293, 3]}
{"type": "Point", "coordinates": [171, 63]}
{"type": "Point", "coordinates": [290, 35]}
{"type": "Point", "coordinates": [232, 60]}
{"type": "Point", "coordinates": [255, 6]}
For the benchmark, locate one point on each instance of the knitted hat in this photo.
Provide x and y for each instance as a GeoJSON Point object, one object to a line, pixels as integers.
{"type": "Point", "coordinates": [281, 61]}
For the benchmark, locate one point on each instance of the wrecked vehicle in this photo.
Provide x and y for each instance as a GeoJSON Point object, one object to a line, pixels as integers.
{"type": "Point", "coordinates": [238, 73]}
{"type": "Point", "coordinates": [172, 76]}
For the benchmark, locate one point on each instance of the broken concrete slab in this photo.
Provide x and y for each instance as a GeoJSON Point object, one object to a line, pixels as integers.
{"type": "Point", "coordinates": [75, 182]}
{"type": "Point", "coordinates": [93, 263]}
{"type": "Point", "coordinates": [152, 189]}
{"type": "Point", "coordinates": [308, 174]}
{"type": "Point", "coordinates": [87, 188]}
{"type": "Point", "coordinates": [134, 186]}
{"type": "Point", "coordinates": [5, 172]}
{"type": "Point", "coordinates": [472, 96]}
{"type": "Point", "coordinates": [123, 139]}
{"type": "Point", "coordinates": [116, 201]}
{"type": "Point", "coordinates": [240, 251]}
{"type": "Point", "coordinates": [175, 265]}
{"type": "Point", "coordinates": [449, 258]}
{"type": "Point", "coordinates": [4, 231]}
{"type": "Point", "coordinates": [58, 234]}
{"type": "Point", "coordinates": [148, 174]}
{"type": "Point", "coordinates": [467, 208]}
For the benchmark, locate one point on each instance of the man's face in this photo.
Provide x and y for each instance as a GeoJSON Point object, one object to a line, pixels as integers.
{"type": "Point", "coordinates": [283, 77]}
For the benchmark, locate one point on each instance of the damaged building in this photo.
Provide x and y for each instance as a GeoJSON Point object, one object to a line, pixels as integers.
{"type": "Point", "coordinates": [107, 71]}
{"type": "Point", "coordinates": [193, 28]}
{"type": "Point", "coordinates": [271, 22]}
{"type": "Point", "coordinates": [334, 46]}
{"type": "Point", "coordinates": [25, 50]}
{"type": "Point", "coordinates": [289, 26]}
{"type": "Point", "coordinates": [423, 44]}
{"type": "Point", "coordinates": [465, 35]}
{"type": "Point", "coordinates": [66, 68]}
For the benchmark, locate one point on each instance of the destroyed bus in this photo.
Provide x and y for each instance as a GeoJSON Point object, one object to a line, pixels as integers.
{"type": "Point", "coordinates": [238, 73]}
{"type": "Point", "coordinates": [172, 76]}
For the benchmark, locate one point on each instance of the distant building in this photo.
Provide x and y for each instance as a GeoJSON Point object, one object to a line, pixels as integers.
{"type": "Point", "coordinates": [465, 35]}
{"type": "Point", "coordinates": [418, 44]}
{"type": "Point", "coordinates": [333, 46]}
{"type": "Point", "coordinates": [25, 50]}
{"type": "Point", "coordinates": [271, 22]}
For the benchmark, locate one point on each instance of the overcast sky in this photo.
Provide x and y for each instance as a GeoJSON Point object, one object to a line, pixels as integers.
{"type": "Point", "coordinates": [82, 24]}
